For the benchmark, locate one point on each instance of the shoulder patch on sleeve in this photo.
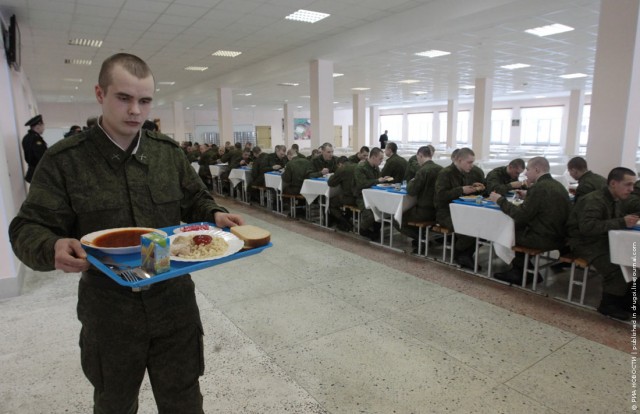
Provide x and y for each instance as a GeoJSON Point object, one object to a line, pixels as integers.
{"type": "Point", "coordinates": [66, 143]}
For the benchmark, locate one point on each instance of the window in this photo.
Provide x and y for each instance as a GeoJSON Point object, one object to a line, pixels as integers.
{"type": "Point", "coordinates": [541, 126]}
{"type": "Point", "coordinates": [442, 116]}
{"type": "Point", "coordinates": [420, 127]}
{"type": "Point", "coordinates": [500, 126]}
{"type": "Point", "coordinates": [463, 127]}
{"type": "Point", "coordinates": [392, 124]}
{"type": "Point", "coordinates": [584, 129]}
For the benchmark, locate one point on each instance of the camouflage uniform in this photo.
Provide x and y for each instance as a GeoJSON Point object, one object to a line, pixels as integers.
{"type": "Point", "coordinates": [209, 157]}
{"type": "Point", "coordinates": [499, 180]}
{"type": "Point", "coordinates": [589, 223]}
{"type": "Point", "coordinates": [34, 147]}
{"type": "Point", "coordinates": [298, 170]}
{"type": "Point", "coordinates": [412, 168]}
{"type": "Point", "coordinates": [589, 182]}
{"type": "Point", "coordinates": [395, 167]}
{"type": "Point", "coordinates": [365, 176]}
{"type": "Point", "coordinates": [423, 187]}
{"type": "Point", "coordinates": [354, 159]}
{"type": "Point", "coordinates": [343, 177]}
{"type": "Point", "coordinates": [476, 175]}
{"type": "Point", "coordinates": [319, 163]}
{"type": "Point", "coordinates": [84, 184]}
{"type": "Point", "coordinates": [259, 168]}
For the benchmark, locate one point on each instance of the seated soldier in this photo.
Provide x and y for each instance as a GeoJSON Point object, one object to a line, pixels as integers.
{"type": "Point", "coordinates": [591, 219]}
{"type": "Point", "coordinates": [296, 171]}
{"type": "Point", "coordinates": [450, 185]}
{"type": "Point", "coordinates": [314, 153]}
{"type": "Point", "coordinates": [232, 157]}
{"type": "Point", "coordinates": [296, 148]}
{"type": "Point", "coordinates": [540, 220]}
{"type": "Point", "coordinates": [366, 175]}
{"type": "Point", "coordinates": [588, 181]}
{"type": "Point", "coordinates": [343, 177]}
{"type": "Point", "coordinates": [246, 158]}
{"type": "Point", "coordinates": [504, 179]}
{"type": "Point", "coordinates": [360, 156]}
{"type": "Point", "coordinates": [324, 163]}
{"type": "Point", "coordinates": [413, 166]}
{"type": "Point", "coordinates": [395, 166]}
{"type": "Point", "coordinates": [423, 187]}
{"type": "Point", "coordinates": [208, 156]}
{"type": "Point", "coordinates": [258, 165]}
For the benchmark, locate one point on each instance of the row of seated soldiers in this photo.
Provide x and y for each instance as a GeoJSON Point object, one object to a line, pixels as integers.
{"type": "Point", "coordinates": [546, 220]}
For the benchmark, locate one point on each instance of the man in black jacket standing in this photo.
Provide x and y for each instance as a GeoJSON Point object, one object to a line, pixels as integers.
{"type": "Point", "coordinates": [33, 145]}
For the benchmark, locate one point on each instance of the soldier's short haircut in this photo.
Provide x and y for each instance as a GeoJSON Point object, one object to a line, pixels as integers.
{"type": "Point", "coordinates": [325, 146]}
{"type": "Point", "coordinates": [364, 148]}
{"type": "Point", "coordinates": [432, 148]}
{"type": "Point", "coordinates": [454, 154]}
{"type": "Point", "coordinates": [540, 162]}
{"type": "Point", "coordinates": [292, 152]}
{"type": "Point", "coordinates": [375, 152]}
{"type": "Point", "coordinates": [577, 163]}
{"type": "Point", "coordinates": [131, 63]}
{"type": "Point", "coordinates": [342, 159]}
{"type": "Point", "coordinates": [618, 174]}
{"type": "Point", "coordinates": [425, 151]}
{"type": "Point", "coordinates": [238, 145]}
{"type": "Point", "coordinates": [392, 146]}
{"type": "Point", "coordinates": [295, 147]}
{"type": "Point", "coordinates": [517, 163]}
{"type": "Point", "coordinates": [463, 153]}
{"type": "Point", "coordinates": [256, 150]}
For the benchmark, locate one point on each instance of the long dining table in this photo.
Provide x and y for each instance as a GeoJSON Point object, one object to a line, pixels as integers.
{"type": "Point", "coordinates": [623, 249]}
{"type": "Point", "coordinates": [274, 180]}
{"type": "Point", "coordinates": [387, 205]}
{"type": "Point", "coordinates": [318, 188]}
{"type": "Point", "coordinates": [242, 176]}
{"type": "Point", "coordinates": [216, 171]}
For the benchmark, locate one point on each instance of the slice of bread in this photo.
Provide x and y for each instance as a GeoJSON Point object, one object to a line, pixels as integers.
{"type": "Point", "coordinates": [251, 235]}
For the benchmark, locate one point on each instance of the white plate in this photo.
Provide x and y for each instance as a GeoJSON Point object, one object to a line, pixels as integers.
{"type": "Point", "coordinates": [87, 240]}
{"type": "Point", "coordinates": [233, 242]}
{"type": "Point", "coordinates": [180, 229]}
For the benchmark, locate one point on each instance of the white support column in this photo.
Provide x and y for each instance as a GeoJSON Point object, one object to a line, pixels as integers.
{"type": "Point", "coordinates": [405, 129]}
{"type": "Point", "coordinates": [482, 104]}
{"type": "Point", "coordinates": [225, 115]}
{"type": "Point", "coordinates": [321, 80]}
{"type": "Point", "coordinates": [435, 137]}
{"type": "Point", "coordinates": [359, 122]}
{"type": "Point", "coordinates": [614, 125]}
{"type": "Point", "coordinates": [178, 121]}
{"type": "Point", "coordinates": [287, 114]}
{"type": "Point", "coordinates": [374, 121]}
{"type": "Point", "coordinates": [574, 122]}
{"type": "Point", "coordinates": [452, 123]}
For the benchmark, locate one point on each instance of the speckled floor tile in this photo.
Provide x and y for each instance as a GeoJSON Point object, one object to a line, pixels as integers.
{"type": "Point", "coordinates": [294, 316]}
{"type": "Point", "coordinates": [581, 377]}
{"type": "Point", "coordinates": [502, 400]}
{"type": "Point", "coordinates": [375, 368]}
{"type": "Point", "coordinates": [493, 341]}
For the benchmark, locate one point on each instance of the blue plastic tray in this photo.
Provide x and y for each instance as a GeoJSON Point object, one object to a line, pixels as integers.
{"type": "Point", "coordinates": [485, 203]}
{"type": "Point", "coordinates": [177, 268]}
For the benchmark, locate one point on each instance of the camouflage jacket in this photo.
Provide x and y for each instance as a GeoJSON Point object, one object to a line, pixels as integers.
{"type": "Point", "coordinates": [297, 170]}
{"type": "Point", "coordinates": [589, 182]}
{"type": "Point", "coordinates": [395, 167]}
{"type": "Point", "coordinates": [364, 176]}
{"type": "Point", "coordinates": [423, 187]}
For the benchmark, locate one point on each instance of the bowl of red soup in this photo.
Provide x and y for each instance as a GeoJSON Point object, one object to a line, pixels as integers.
{"type": "Point", "coordinates": [122, 240]}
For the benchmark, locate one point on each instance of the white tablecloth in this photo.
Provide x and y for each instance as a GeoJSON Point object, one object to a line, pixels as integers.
{"type": "Point", "coordinates": [486, 223]}
{"type": "Point", "coordinates": [623, 248]}
{"type": "Point", "coordinates": [387, 202]}
{"type": "Point", "coordinates": [238, 175]}
{"type": "Point", "coordinates": [218, 169]}
{"type": "Point", "coordinates": [311, 189]}
{"type": "Point", "coordinates": [273, 181]}
{"type": "Point", "coordinates": [195, 166]}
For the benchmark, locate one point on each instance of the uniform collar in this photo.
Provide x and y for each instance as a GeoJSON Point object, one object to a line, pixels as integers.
{"type": "Point", "coordinates": [116, 155]}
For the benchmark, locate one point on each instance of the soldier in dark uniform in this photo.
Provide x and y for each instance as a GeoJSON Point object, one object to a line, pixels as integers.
{"type": "Point", "coordinates": [33, 145]}
{"type": "Point", "coordinates": [324, 163]}
{"type": "Point", "coordinates": [367, 175]}
{"type": "Point", "coordinates": [259, 166]}
{"type": "Point", "coordinates": [208, 156]}
{"type": "Point", "coordinates": [296, 171]}
{"type": "Point", "coordinates": [591, 219]}
{"type": "Point", "coordinates": [450, 185]}
{"type": "Point", "coordinates": [117, 175]}
{"type": "Point", "coordinates": [383, 140]}
{"type": "Point", "coordinates": [588, 181]}
{"type": "Point", "coordinates": [343, 177]}
{"type": "Point", "coordinates": [360, 156]}
{"type": "Point", "coordinates": [541, 220]}
{"type": "Point", "coordinates": [423, 187]}
{"type": "Point", "coordinates": [296, 148]}
{"type": "Point", "coordinates": [504, 179]}
{"type": "Point", "coordinates": [395, 166]}
{"type": "Point", "coordinates": [413, 166]}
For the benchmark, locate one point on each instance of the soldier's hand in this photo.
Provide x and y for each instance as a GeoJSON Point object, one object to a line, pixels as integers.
{"type": "Point", "coordinates": [325, 171]}
{"type": "Point", "coordinates": [277, 167]}
{"type": "Point", "coordinates": [69, 256]}
{"type": "Point", "coordinates": [494, 196]}
{"type": "Point", "coordinates": [468, 189]}
{"type": "Point", "coordinates": [478, 186]}
{"type": "Point", "coordinates": [227, 220]}
{"type": "Point", "coordinates": [631, 220]}
{"type": "Point", "coordinates": [516, 184]}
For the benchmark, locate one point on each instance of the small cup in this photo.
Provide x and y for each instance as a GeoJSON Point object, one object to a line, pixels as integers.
{"type": "Point", "coordinates": [397, 186]}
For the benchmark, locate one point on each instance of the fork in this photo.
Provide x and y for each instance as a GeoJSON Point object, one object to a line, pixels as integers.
{"type": "Point", "coordinates": [128, 275]}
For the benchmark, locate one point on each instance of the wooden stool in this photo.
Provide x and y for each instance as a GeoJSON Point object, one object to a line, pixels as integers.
{"type": "Point", "coordinates": [445, 246]}
{"type": "Point", "coordinates": [422, 225]}
{"type": "Point", "coordinates": [584, 265]}
{"type": "Point", "coordinates": [355, 218]}
{"type": "Point", "coordinates": [292, 204]}
{"type": "Point", "coordinates": [529, 252]}
{"type": "Point", "coordinates": [262, 190]}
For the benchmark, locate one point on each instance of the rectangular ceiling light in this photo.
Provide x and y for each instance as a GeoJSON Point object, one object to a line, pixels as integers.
{"type": "Point", "coordinates": [166, 83]}
{"type": "Point", "coordinates": [77, 80]}
{"type": "Point", "coordinates": [516, 91]}
{"type": "Point", "coordinates": [288, 84]}
{"type": "Point", "coordinates": [226, 53]}
{"type": "Point", "coordinates": [197, 68]}
{"type": "Point", "coordinates": [433, 53]}
{"type": "Point", "coordinates": [549, 30]}
{"type": "Point", "coordinates": [409, 81]}
{"type": "Point", "coordinates": [85, 62]}
{"type": "Point", "coordinates": [515, 66]}
{"type": "Point", "coordinates": [337, 75]}
{"type": "Point", "coordinates": [574, 75]}
{"type": "Point", "coordinates": [85, 42]}
{"type": "Point", "coordinates": [360, 89]}
{"type": "Point", "coordinates": [418, 93]}
{"type": "Point", "coordinates": [467, 87]}
{"type": "Point", "coordinates": [307, 16]}
{"type": "Point", "coordinates": [245, 94]}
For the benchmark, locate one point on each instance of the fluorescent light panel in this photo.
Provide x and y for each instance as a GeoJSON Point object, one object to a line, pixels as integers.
{"type": "Point", "coordinates": [337, 75]}
{"type": "Point", "coordinates": [360, 89]}
{"type": "Point", "coordinates": [574, 75]}
{"type": "Point", "coordinates": [515, 66]}
{"type": "Point", "coordinates": [418, 93]}
{"type": "Point", "coordinates": [409, 81]}
{"type": "Point", "coordinates": [307, 16]}
{"type": "Point", "coordinates": [197, 68]}
{"type": "Point", "coordinates": [549, 30]}
{"type": "Point", "coordinates": [515, 91]}
{"type": "Point", "coordinates": [288, 84]}
{"type": "Point", "coordinates": [226, 53]}
{"type": "Point", "coordinates": [245, 94]}
{"type": "Point", "coordinates": [433, 53]}
{"type": "Point", "coordinates": [467, 87]}
{"type": "Point", "coordinates": [166, 83]}
{"type": "Point", "coordinates": [77, 80]}
{"type": "Point", "coordinates": [85, 42]}
{"type": "Point", "coordinates": [84, 62]}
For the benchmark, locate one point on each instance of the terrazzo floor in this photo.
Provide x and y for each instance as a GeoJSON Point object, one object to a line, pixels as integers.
{"type": "Point", "coordinates": [323, 322]}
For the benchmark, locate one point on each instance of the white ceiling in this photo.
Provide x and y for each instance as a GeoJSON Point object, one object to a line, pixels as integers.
{"type": "Point", "coordinates": [372, 42]}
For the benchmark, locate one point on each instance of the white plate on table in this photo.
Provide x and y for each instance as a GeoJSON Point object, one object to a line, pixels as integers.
{"type": "Point", "coordinates": [186, 228]}
{"type": "Point", "coordinates": [90, 239]}
{"type": "Point", "coordinates": [234, 244]}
